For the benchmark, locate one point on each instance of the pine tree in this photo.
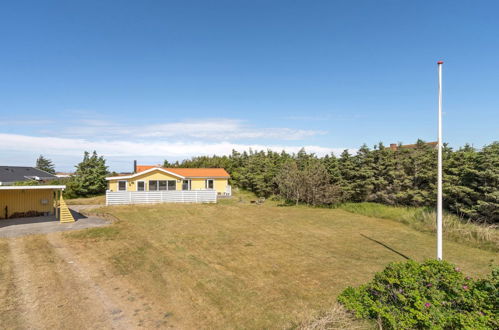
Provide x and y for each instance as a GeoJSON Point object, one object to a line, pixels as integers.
{"type": "Point", "coordinates": [487, 205]}
{"type": "Point", "coordinates": [45, 164]}
{"type": "Point", "coordinates": [363, 176]}
{"type": "Point", "coordinates": [89, 178]}
{"type": "Point", "coordinates": [385, 176]}
{"type": "Point", "coordinates": [347, 170]}
{"type": "Point", "coordinates": [460, 180]}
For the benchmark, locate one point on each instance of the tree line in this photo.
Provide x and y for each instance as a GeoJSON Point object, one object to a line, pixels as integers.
{"type": "Point", "coordinates": [406, 176]}
{"type": "Point", "coordinates": [89, 178]}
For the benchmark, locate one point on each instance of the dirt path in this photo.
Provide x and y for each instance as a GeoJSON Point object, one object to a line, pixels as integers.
{"type": "Point", "coordinates": [24, 283]}
{"type": "Point", "coordinates": [59, 290]}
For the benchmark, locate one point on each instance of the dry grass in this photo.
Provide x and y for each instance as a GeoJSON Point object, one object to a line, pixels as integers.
{"type": "Point", "coordinates": [9, 303]}
{"type": "Point", "coordinates": [50, 298]}
{"type": "Point", "coordinates": [224, 266]}
{"type": "Point", "coordinates": [97, 200]}
{"type": "Point", "coordinates": [477, 235]}
{"type": "Point", "coordinates": [335, 318]}
{"type": "Point", "coordinates": [237, 264]}
{"type": "Point", "coordinates": [49, 287]}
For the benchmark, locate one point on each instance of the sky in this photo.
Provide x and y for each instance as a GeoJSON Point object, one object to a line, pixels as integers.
{"type": "Point", "coordinates": [156, 80]}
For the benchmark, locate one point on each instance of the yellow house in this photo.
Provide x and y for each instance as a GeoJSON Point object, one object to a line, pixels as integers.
{"type": "Point", "coordinates": [154, 178]}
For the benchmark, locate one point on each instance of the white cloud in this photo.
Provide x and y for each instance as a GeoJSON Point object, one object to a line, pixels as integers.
{"type": "Point", "coordinates": [212, 129]}
{"type": "Point", "coordinates": [25, 122]}
{"type": "Point", "coordinates": [119, 148]}
{"type": "Point", "coordinates": [120, 142]}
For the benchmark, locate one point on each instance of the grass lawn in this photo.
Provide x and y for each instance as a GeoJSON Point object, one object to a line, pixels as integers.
{"type": "Point", "coordinates": [97, 200]}
{"type": "Point", "coordinates": [239, 265]}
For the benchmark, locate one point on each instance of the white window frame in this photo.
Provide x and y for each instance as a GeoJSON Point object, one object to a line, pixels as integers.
{"type": "Point", "coordinates": [149, 185]}
{"type": "Point", "coordinates": [144, 182]}
{"type": "Point", "coordinates": [167, 185]}
{"type": "Point", "coordinates": [206, 185]}
{"type": "Point", "coordinates": [126, 185]}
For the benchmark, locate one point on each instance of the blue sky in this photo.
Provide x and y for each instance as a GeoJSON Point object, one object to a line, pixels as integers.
{"type": "Point", "coordinates": [155, 80]}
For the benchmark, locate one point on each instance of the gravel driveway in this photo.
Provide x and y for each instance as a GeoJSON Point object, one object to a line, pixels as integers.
{"type": "Point", "coordinates": [49, 224]}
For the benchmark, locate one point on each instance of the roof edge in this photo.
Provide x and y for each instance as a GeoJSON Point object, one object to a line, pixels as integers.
{"type": "Point", "coordinates": [32, 187]}
{"type": "Point", "coordinates": [144, 172]}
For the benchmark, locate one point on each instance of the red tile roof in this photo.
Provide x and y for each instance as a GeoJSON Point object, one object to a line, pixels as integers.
{"type": "Point", "coordinates": [141, 168]}
{"type": "Point", "coordinates": [190, 172]}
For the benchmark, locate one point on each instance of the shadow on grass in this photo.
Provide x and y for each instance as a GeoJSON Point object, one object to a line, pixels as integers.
{"type": "Point", "coordinates": [386, 246]}
{"type": "Point", "coordinates": [286, 204]}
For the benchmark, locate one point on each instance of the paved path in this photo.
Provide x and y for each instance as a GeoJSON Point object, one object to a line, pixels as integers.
{"type": "Point", "coordinates": [49, 224]}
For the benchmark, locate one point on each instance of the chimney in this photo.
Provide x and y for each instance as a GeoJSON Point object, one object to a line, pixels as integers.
{"type": "Point", "coordinates": [134, 166]}
{"type": "Point", "coordinates": [393, 146]}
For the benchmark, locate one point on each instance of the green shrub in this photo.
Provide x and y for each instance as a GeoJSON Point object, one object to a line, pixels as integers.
{"type": "Point", "coordinates": [433, 294]}
{"type": "Point", "coordinates": [26, 183]}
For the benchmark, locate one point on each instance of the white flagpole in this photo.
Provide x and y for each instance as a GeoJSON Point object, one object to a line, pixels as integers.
{"type": "Point", "coordinates": [439, 183]}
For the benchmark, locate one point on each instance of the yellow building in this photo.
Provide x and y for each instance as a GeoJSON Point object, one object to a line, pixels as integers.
{"type": "Point", "coordinates": [28, 201]}
{"type": "Point", "coordinates": [154, 178]}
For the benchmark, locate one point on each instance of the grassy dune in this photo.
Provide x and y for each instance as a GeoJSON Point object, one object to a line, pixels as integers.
{"type": "Point", "coordinates": [422, 219]}
{"type": "Point", "coordinates": [237, 264]}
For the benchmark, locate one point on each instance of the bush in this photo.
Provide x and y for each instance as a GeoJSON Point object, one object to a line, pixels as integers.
{"type": "Point", "coordinates": [26, 183]}
{"type": "Point", "coordinates": [433, 294]}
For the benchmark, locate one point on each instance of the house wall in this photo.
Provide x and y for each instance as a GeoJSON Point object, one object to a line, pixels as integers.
{"type": "Point", "coordinates": [26, 200]}
{"type": "Point", "coordinates": [220, 185]}
{"type": "Point", "coordinates": [196, 183]}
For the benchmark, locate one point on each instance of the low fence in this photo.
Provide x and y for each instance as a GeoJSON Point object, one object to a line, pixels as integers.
{"type": "Point", "coordinates": [153, 197]}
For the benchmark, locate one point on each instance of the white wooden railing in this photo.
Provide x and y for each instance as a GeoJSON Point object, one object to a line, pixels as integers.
{"type": "Point", "coordinates": [153, 197]}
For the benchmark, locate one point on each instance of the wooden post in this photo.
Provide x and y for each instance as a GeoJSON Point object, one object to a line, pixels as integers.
{"type": "Point", "coordinates": [57, 192]}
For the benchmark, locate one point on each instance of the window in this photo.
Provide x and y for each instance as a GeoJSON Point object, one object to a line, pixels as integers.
{"type": "Point", "coordinates": [141, 186]}
{"type": "Point", "coordinates": [209, 184]}
{"type": "Point", "coordinates": [121, 185]}
{"type": "Point", "coordinates": [172, 185]}
{"type": "Point", "coordinates": [186, 184]}
{"type": "Point", "coordinates": [153, 185]}
{"type": "Point", "coordinates": [162, 185]}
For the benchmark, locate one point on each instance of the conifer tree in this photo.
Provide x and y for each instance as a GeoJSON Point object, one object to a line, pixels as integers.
{"type": "Point", "coordinates": [487, 205]}
{"type": "Point", "coordinates": [347, 171]}
{"type": "Point", "coordinates": [45, 164]}
{"type": "Point", "coordinates": [89, 178]}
